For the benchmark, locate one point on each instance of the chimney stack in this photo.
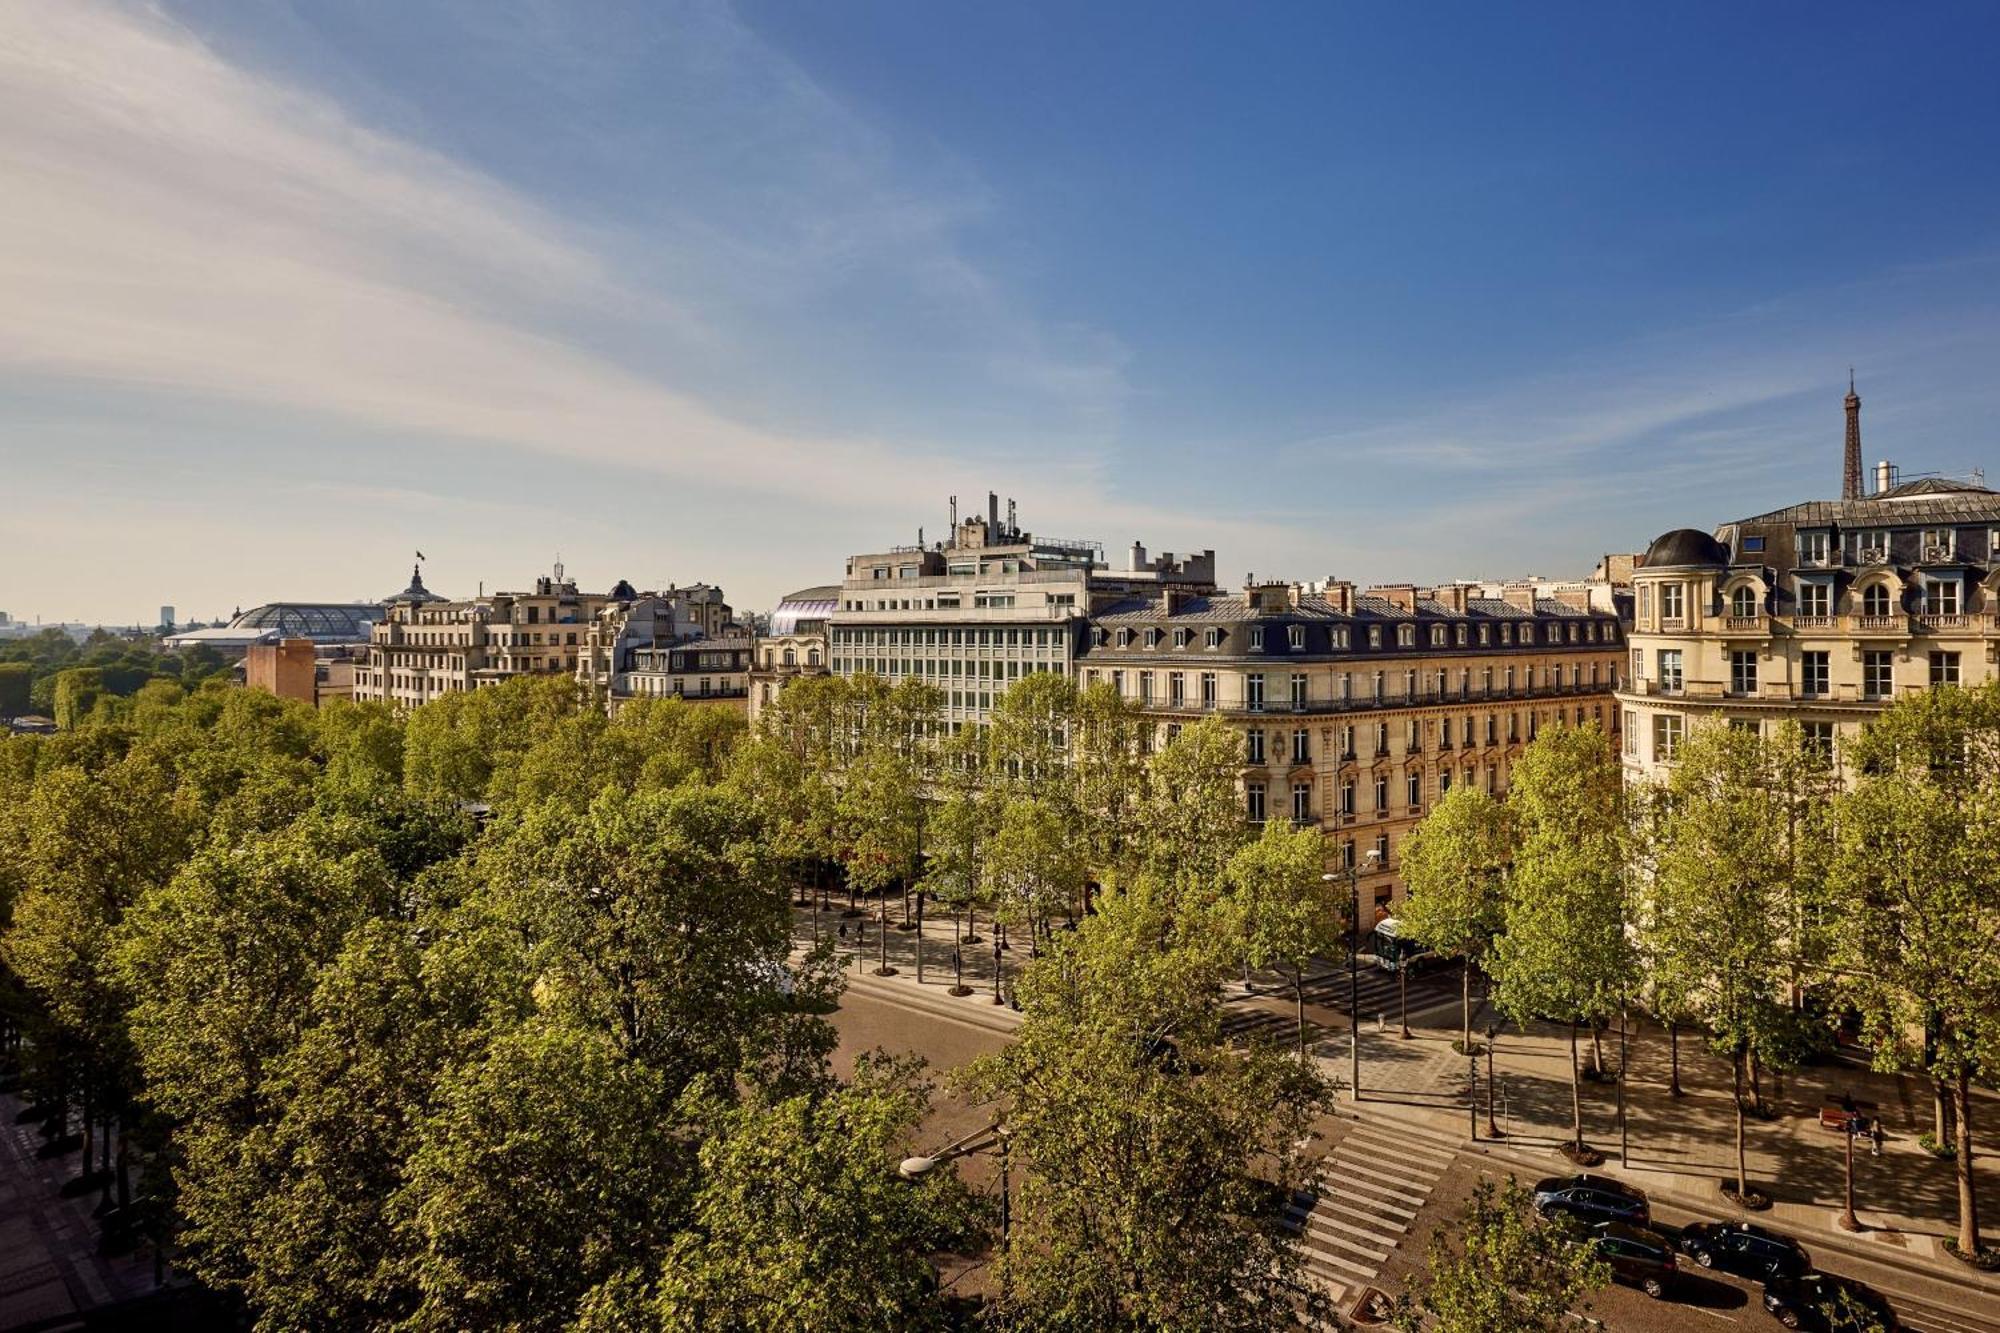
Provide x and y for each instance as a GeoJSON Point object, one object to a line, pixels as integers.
{"type": "Point", "coordinates": [1885, 476]}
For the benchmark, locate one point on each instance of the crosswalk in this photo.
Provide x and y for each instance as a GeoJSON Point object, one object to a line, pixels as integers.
{"type": "Point", "coordinates": [1374, 1183]}
{"type": "Point", "coordinates": [1379, 994]}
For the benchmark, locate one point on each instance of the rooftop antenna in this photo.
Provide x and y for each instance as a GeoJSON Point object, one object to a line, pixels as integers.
{"type": "Point", "coordinates": [559, 569]}
{"type": "Point", "coordinates": [954, 513]}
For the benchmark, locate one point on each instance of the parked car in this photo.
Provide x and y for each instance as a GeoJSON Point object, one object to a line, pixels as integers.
{"type": "Point", "coordinates": [1592, 1199]}
{"type": "Point", "coordinates": [1639, 1257]}
{"type": "Point", "coordinates": [1828, 1304]}
{"type": "Point", "coordinates": [1747, 1250]}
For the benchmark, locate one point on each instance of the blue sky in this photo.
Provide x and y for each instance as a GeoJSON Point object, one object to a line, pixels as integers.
{"type": "Point", "coordinates": [726, 293]}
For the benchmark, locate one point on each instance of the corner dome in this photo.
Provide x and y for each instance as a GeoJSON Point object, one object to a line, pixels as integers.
{"type": "Point", "coordinates": [416, 592]}
{"type": "Point", "coordinates": [1686, 546]}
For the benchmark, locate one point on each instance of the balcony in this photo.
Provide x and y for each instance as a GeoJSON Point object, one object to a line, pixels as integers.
{"type": "Point", "coordinates": [1815, 624]}
{"type": "Point", "coordinates": [1895, 626]}
{"type": "Point", "coordinates": [1929, 623]}
{"type": "Point", "coordinates": [1754, 625]}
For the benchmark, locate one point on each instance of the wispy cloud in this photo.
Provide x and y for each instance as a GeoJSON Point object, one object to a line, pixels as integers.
{"type": "Point", "coordinates": [179, 223]}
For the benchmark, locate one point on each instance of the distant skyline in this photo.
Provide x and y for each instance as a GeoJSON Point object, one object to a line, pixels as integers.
{"type": "Point", "coordinates": [726, 293]}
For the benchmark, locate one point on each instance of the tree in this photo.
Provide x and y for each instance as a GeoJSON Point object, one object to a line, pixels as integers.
{"type": "Point", "coordinates": [1564, 951]}
{"type": "Point", "coordinates": [1918, 902]}
{"type": "Point", "coordinates": [1454, 893]}
{"type": "Point", "coordinates": [650, 918]}
{"type": "Point", "coordinates": [1280, 909]}
{"type": "Point", "coordinates": [16, 680]}
{"type": "Point", "coordinates": [1035, 863]}
{"type": "Point", "coordinates": [549, 1166]}
{"type": "Point", "coordinates": [221, 964]}
{"type": "Point", "coordinates": [329, 1245]}
{"type": "Point", "coordinates": [801, 1221]}
{"type": "Point", "coordinates": [77, 691]}
{"type": "Point", "coordinates": [1148, 1150]}
{"type": "Point", "coordinates": [1509, 1272]}
{"type": "Point", "coordinates": [1714, 914]}
{"type": "Point", "coordinates": [1193, 817]}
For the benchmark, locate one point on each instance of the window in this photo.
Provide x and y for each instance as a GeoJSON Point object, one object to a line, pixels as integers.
{"type": "Point", "coordinates": [1437, 636]}
{"type": "Point", "coordinates": [1743, 603]}
{"type": "Point", "coordinates": [1813, 675]}
{"type": "Point", "coordinates": [1301, 802]}
{"type": "Point", "coordinates": [1381, 795]}
{"type": "Point", "coordinates": [1753, 545]}
{"type": "Point", "coordinates": [1812, 548]}
{"type": "Point", "coordinates": [1301, 746]}
{"type": "Point", "coordinates": [1406, 636]}
{"type": "Point", "coordinates": [1256, 638]}
{"type": "Point", "coordinates": [1672, 599]}
{"type": "Point", "coordinates": [1414, 783]}
{"type": "Point", "coordinates": [1145, 686]}
{"type": "Point", "coordinates": [1176, 688]}
{"type": "Point", "coordinates": [1878, 675]}
{"type": "Point", "coordinates": [1817, 739]}
{"type": "Point", "coordinates": [1666, 736]}
{"type": "Point", "coordinates": [1374, 636]}
{"type": "Point", "coordinates": [1936, 543]}
{"type": "Point", "coordinates": [1180, 638]}
{"type": "Point", "coordinates": [1815, 597]}
{"type": "Point", "coordinates": [1941, 597]}
{"type": "Point", "coordinates": [1944, 669]}
{"type": "Point", "coordinates": [1875, 600]}
{"type": "Point", "coordinates": [1631, 732]}
{"type": "Point", "coordinates": [1381, 851]}
{"type": "Point", "coordinates": [1347, 797]}
{"type": "Point", "coordinates": [1298, 689]}
{"type": "Point", "coordinates": [1253, 692]}
{"type": "Point", "coordinates": [1296, 637]}
{"type": "Point", "coordinates": [1670, 670]}
{"type": "Point", "coordinates": [1253, 800]}
{"type": "Point", "coordinates": [1254, 747]}
{"type": "Point", "coordinates": [1208, 689]}
{"type": "Point", "coordinates": [1743, 673]}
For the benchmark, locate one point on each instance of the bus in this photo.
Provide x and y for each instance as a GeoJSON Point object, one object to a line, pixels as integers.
{"type": "Point", "coordinates": [1392, 951]}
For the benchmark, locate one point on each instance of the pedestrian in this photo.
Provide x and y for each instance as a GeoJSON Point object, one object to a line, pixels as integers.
{"type": "Point", "coordinates": [1875, 1137]}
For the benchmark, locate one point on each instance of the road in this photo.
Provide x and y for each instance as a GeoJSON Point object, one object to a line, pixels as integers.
{"type": "Point", "coordinates": [1924, 1304]}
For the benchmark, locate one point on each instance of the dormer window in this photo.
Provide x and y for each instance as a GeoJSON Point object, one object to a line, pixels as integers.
{"type": "Point", "coordinates": [1813, 547]}
{"type": "Point", "coordinates": [1214, 638]}
{"type": "Point", "coordinates": [1507, 632]}
{"type": "Point", "coordinates": [1374, 636]}
{"type": "Point", "coordinates": [1485, 635]}
{"type": "Point", "coordinates": [1256, 638]}
{"type": "Point", "coordinates": [1152, 638]}
{"type": "Point", "coordinates": [1124, 638]}
{"type": "Point", "coordinates": [1340, 638]}
{"type": "Point", "coordinates": [1941, 597]}
{"type": "Point", "coordinates": [1406, 636]}
{"type": "Point", "coordinates": [1743, 603]}
{"type": "Point", "coordinates": [1180, 638]}
{"type": "Point", "coordinates": [1875, 600]}
{"type": "Point", "coordinates": [1103, 636]}
{"type": "Point", "coordinates": [1296, 636]}
{"type": "Point", "coordinates": [1936, 545]}
{"type": "Point", "coordinates": [1437, 636]}
{"type": "Point", "coordinates": [1460, 636]}
{"type": "Point", "coordinates": [1872, 548]}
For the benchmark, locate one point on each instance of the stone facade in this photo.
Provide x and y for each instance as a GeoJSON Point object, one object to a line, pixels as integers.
{"type": "Point", "coordinates": [1820, 613]}
{"type": "Point", "coordinates": [1359, 709]}
{"type": "Point", "coordinates": [794, 645]}
{"type": "Point", "coordinates": [976, 613]}
{"type": "Point", "coordinates": [427, 646]}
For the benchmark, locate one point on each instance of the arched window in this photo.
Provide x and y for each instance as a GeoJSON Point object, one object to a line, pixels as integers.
{"type": "Point", "coordinates": [1743, 602]}
{"type": "Point", "coordinates": [812, 657]}
{"type": "Point", "coordinates": [791, 658]}
{"type": "Point", "coordinates": [1875, 600]}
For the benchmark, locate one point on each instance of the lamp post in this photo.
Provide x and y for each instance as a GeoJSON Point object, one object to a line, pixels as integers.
{"type": "Point", "coordinates": [995, 1135]}
{"type": "Point", "coordinates": [1373, 859]}
{"type": "Point", "coordinates": [1492, 1125]}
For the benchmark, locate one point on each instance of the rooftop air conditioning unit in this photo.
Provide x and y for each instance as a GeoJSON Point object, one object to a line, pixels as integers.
{"type": "Point", "coordinates": [1936, 555]}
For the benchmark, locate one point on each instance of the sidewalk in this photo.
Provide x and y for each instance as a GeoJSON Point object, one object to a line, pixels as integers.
{"type": "Point", "coordinates": [1682, 1150]}
{"type": "Point", "coordinates": [859, 955]}
{"type": "Point", "coordinates": [49, 1265]}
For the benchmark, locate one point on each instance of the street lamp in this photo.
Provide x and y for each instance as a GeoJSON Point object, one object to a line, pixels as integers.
{"type": "Point", "coordinates": [995, 1135]}
{"type": "Point", "coordinates": [1492, 1125]}
{"type": "Point", "coordinates": [1373, 860]}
